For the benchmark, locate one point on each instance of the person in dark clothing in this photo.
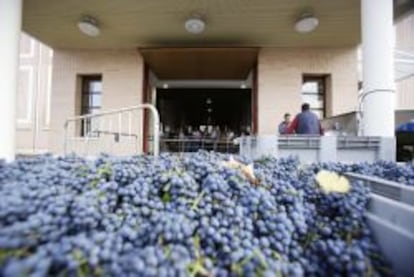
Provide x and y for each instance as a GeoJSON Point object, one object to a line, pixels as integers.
{"type": "Point", "coordinates": [305, 123]}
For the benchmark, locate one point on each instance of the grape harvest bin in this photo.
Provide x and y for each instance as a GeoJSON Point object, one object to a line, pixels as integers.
{"type": "Point", "coordinates": [391, 217]}
{"type": "Point", "coordinates": [311, 149]}
{"type": "Point", "coordinates": [391, 209]}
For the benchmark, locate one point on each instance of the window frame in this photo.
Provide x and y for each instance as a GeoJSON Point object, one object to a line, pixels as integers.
{"type": "Point", "coordinates": [86, 107]}
{"type": "Point", "coordinates": [321, 90]}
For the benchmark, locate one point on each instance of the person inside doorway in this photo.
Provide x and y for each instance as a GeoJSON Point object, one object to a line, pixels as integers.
{"type": "Point", "coordinates": [305, 123]}
{"type": "Point", "coordinates": [283, 126]}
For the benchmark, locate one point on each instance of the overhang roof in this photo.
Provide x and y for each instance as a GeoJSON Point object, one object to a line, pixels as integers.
{"type": "Point", "coordinates": [200, 63]}
{"type": "Point", "coordinates": [160, 23]}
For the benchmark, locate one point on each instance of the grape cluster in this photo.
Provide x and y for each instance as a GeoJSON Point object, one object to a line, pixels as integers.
{"type": "Point", "coordinates": [183, 215]}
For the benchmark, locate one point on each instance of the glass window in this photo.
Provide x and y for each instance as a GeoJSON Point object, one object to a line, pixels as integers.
{"type": "Point", "coordinates": [310, 87]}
{"type": "Point", "coordinates": [313, 93]}
{"type": "Point", "coordinates": [96, 100]}
{"type": "Point", "coordinates": [314, 101]}
{"type": "Point", "coordinates": [95, 86]}
{"type": "Point", "coordinates": [319, 113]}
{"type": "Point", "coordinates": [91, 102]}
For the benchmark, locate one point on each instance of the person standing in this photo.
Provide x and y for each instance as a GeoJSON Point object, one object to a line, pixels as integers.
{"type": "Point", "coordinates": [283, 126]}
{"type": "Point", "coordinates": [305, 123]}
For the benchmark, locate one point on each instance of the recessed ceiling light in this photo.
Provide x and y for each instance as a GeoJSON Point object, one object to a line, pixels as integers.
{"type": "Point", "coordinates": [306, 23]}
{"type": "Point", "coordinates": [195, 25]}
{"type": "Point", "coordinates": [165, 85]}
{"type": "Point", "coordinates": [89, 26]}
{"type": "Point", "coordinates": [243, 86]}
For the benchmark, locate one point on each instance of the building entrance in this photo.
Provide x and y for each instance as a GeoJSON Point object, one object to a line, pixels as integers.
{"type": "Point", "coordinates": [208, 119]}
{"type": "Point", "coordinates": [206, 97]}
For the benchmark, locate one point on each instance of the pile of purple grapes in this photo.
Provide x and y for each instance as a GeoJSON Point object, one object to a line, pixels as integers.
{"type": "Point", "coordinates": [184, 215]}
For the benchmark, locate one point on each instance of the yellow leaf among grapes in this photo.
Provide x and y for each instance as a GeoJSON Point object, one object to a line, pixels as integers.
{"type": "Point", "coordinates": [232, 163]}
{"type": "Point", "coordinates": [332, 182]}
{"type": "Point", "coordinates": [247, 170]}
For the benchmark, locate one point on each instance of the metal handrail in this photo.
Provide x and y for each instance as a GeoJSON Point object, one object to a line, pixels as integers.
{"type": "Point", "coordinates": [156, 123]}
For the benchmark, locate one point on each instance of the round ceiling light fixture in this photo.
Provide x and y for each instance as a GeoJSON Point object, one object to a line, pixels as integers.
{"type": "Point", "coordinates": [306, 23]}
{"type": "Point", "coordinates": [195, 25]}
{"type": "Point", "coordinates": [89, 26]}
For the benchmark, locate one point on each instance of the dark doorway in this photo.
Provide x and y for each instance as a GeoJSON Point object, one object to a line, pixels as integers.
{"type": "Point", "coordinates": [204, 114]}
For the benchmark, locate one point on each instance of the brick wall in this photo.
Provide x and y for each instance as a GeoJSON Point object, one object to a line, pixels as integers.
{"type": "Point", "coordinates": [121, 72]}
{"type": "Point", "coordinates": [279, 82]}
{"type": "Point", "coordinates": [280, 73]}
